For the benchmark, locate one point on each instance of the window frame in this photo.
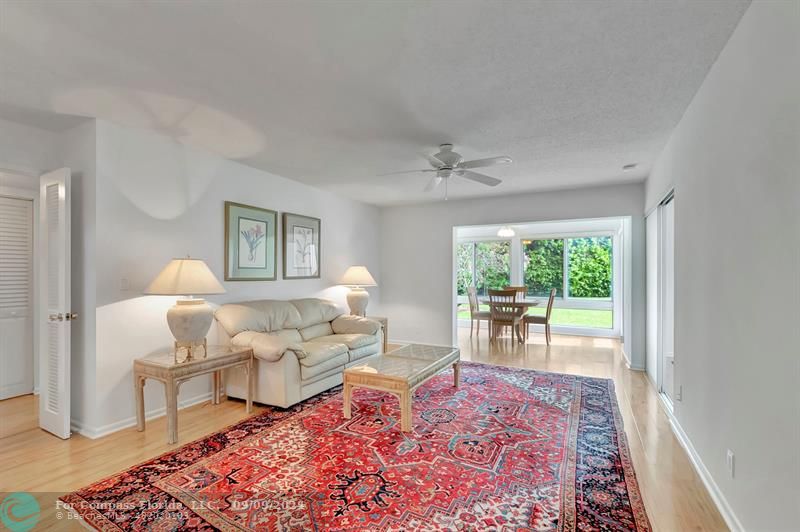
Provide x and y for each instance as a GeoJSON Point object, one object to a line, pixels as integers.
{"type": "Point", "coordinates": [588, 303]}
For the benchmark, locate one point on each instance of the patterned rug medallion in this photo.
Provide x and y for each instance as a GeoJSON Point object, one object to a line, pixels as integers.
{"type": "Point", "coordinates": [509, 449]}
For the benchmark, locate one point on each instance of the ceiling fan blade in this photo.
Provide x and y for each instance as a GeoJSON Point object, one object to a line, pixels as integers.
{"type": "Point", "coordinates": [480, 178]}
{"type": "Point", "coordinates": [434, 182]}
{"type": "Point", "coordinates": [490, 161]}
{"type": "Point", "coordinates": [407, 172]}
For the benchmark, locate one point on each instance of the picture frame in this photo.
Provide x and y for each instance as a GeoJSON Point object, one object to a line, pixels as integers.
{"type": "Point", "coordinates": [301, 246]}
{"type": "Point", "coordinates": [251, 244]}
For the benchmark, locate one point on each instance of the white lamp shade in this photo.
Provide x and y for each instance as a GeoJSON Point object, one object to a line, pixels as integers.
{"type": "Point", "coordinates": [358, 276]}
{"type": "Point", "coordinates": [187, 277]}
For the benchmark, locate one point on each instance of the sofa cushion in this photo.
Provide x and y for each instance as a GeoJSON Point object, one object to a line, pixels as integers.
{"type": "Point", "coordinates": [316, 352]}
{"type": "Point", "coordinates": [346, 324]}
{"type": "Point", "coordinates": [352, 341]}
{"type": "Point", "coordinates": [264, 315]}
{"type": "Point", "coordinates": [265, 346]}
{"type": "Point", "coordinates": [290, 334]}
{"type": "Point", "coordinates": [320, 358]}
{"type": "Point", "coordinates": [366, 351]}
{"type": "Point", "coordinates": [313, 311]}
{"type": "Point", "coordinates": [313, 331]}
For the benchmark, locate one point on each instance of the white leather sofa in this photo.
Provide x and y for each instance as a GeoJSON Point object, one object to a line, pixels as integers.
{"type": "Point", "coordinates": [301, 346]}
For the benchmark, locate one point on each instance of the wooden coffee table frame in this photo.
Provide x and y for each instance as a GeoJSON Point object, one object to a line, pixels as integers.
{"type": "Point", "coordinates": [395, 385]}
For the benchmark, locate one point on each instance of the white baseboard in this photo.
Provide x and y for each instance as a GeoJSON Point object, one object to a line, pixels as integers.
{"type": "Point", "coordinates": [716, 494]}
{"type": "Point", "coordinates": [105, 430]}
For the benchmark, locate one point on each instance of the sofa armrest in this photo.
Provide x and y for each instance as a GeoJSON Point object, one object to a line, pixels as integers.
{"type": "Point", "coordinates": [266, 347]}
{"type": "Point", "coordinates": [346, 324]}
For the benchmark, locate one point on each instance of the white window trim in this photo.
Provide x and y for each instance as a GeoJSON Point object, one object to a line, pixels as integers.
{"type": "Point", "coordinates": [517, 276]}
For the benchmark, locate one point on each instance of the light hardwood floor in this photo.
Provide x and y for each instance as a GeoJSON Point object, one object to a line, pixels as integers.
{"type": "Point", "coordinates": [676, 500]}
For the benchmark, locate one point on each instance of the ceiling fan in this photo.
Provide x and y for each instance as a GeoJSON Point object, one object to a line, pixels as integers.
{"type": "Point", "coordinates": [447, 163]}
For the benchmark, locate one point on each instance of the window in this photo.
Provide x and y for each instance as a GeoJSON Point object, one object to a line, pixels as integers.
{"type": "Point", "coordinates": [579, 266]}
{"type": "Point", "coordinates": [590, 267]}
{"type": "Point", "coordinates": [580, 269]}
{"type": "Point", "coordinates": [484, 265]}
{"type": "Point", "coordinates": [543, 265]}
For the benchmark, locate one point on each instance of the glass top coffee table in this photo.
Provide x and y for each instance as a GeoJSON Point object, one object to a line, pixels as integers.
{"type": "Point", "coordinates": [400, 372]}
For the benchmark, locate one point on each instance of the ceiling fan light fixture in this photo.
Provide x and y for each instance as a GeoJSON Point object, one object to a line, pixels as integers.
{"type": "Point", "coordinates": [506, 232]}
{"type": "Point", "coordinates": [448, 163]}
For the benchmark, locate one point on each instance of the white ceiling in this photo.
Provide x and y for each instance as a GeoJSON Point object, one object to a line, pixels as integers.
{"type": "Point", "coordinates": [334, 93]}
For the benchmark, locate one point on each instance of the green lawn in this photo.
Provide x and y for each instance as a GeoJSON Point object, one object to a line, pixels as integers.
{"type": "Point", "coordinates": [601, 319]}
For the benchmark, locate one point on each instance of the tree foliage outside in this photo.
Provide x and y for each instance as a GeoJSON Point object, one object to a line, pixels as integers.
{"type": "Point", "coordinates": [589, 260]}
{"type": "Point", "coordinates": [544, 266]}
{"type": "Point", "coordinates": [492, 266]}
{"type": "Point", "coordinates": [590, 267]}
{"type": "Point", "coordinates": [464, 275]}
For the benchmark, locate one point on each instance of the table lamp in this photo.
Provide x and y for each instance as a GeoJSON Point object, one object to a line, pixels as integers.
{"type": "Point", "coordinates": [189, 319]}
{"type": "Point", "coordinates": [357, 277]}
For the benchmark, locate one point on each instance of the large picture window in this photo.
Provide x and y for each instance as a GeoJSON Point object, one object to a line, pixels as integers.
{"type": "Point", "coordinates": [579, 267]}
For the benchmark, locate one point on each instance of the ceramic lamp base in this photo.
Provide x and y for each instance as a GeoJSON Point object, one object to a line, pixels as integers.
{"type": "Point", "coordinates": [189, 320]}
{"type": "Point", "coordinates": [357, 299]}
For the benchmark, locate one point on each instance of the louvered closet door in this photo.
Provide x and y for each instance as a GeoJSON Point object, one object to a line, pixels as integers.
{"type": "Point", "coordinates": [56, 320]}
{"type": "Point", "coordinates": [16, 297]}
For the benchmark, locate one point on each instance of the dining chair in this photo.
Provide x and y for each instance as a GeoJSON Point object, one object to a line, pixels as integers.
{"type": "Point", "coordinates": [522, 291]}
{"type": "Point", "coordinates": [475, 312]}
{"type": "Point", "coordinates": [503, 311]}
{"type": "Point", "coordinates": [530, 319]}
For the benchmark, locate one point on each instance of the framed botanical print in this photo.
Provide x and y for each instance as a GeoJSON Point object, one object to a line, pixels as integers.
{"type": "Point", "coordinates": [251, 245]}
{"type": "Point", "coordinates": [301, 243]}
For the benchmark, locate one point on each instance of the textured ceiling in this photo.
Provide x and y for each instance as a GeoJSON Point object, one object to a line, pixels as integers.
{"type": "Point", "coordinates": [334, 93]}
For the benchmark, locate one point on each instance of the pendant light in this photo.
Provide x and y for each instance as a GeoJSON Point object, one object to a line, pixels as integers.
{"type": "Point", "coordinates": [505, 232]}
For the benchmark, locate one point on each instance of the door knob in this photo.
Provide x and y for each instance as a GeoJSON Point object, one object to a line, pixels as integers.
{"type": "Point", "coordinates": [56, 317]}
{"type": "Point", "coordinates": [71, 316]}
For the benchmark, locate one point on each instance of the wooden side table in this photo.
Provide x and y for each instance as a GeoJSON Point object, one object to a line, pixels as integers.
{"type": "Point", "coordinates": [385, 324]}
{"type": "Point", "coordinates": [164, 367]}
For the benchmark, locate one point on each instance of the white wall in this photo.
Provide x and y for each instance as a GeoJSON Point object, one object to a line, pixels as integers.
{"type": "Point", "coordinates": [26, 150]}
{"type": "Point", "coordinates": [734, 160]}
{"type": "Point", "coordinates": [75, 149]}
{"type": "Point", "coordinates": [29, 152]}
{"type": "Point", "coordinates": [157, 199]}
{"type": "Point", "coordinates": [417, 254]}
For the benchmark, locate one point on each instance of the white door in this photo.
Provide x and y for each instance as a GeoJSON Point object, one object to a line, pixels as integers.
{"type": "Point", "coordinates": [56, 319]}
{"type": "Point", "coordinates": [667, 227]}
{"type": "Point", "coordinates": [16, 297]}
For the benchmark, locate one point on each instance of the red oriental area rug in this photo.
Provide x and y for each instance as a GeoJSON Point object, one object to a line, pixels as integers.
{"type": "Point", "coordinates": [509, 449]}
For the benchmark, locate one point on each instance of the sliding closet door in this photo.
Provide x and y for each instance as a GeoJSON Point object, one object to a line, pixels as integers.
{"type": "Point", "coordinates": [652, 315]}
{"type": "Point", "coordinates": [668, 297]}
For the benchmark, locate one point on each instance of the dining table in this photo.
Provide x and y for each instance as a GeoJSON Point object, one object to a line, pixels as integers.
{"type": "Point", "coordinates": [522, 304]}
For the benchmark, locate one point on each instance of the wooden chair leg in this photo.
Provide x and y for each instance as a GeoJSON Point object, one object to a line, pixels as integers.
{"type": "Point", "coordinates": [547, 333]}
{"type": "Point", "coordinates": [471, 322]}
